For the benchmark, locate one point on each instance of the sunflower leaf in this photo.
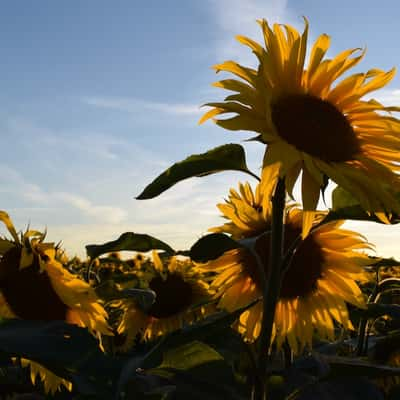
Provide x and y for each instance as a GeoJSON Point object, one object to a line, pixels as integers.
{"type": "Point", "coordinates": [188, 356]}
{"type": "Point", "coordinates": [223, 158]}
{"type": "Point", "coordinates": [212, 380]}
{"type": "Point", "coordinates": [208, 327]}
{"type": "Point", "coordinates": [345, 206]}
{"type": "Point", "coordinates": [212, 246]}
{"type": "Point", "coordinates": [131, 242]}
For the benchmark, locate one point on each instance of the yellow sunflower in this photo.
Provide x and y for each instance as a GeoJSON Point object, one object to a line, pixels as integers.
{"type": "Point", "coordinates": [315, 289]}
{"type": "Point", "coordinates": [178, 290]}
{"type": "Point", "coordinates": [312, 123]}
{"type": "Point", "coordinates": [248, 213]}
{"type": "Point", "coordinates": [35, 286]}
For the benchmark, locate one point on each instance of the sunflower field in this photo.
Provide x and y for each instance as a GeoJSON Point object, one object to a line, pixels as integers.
{"type": "Point", "coordinates": [279, 302]}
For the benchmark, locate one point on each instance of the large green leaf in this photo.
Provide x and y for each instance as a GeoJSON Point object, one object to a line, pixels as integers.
{"type": "Point", "coordinates": [223, 158]}
{"type": "Point", "coordinates": [129, 241]}
{"type": "Point", "coordinates": [212, 381]}
{"type": "Point", "coordinates": [345, 206]}
{"type": "Point", "coordinates": [188, 356]}
{"type": "Point", "coordinates": [212, 246]}
{"type": "Point", "coordinates": [195, 367]}
{"type": "Point", "coordinates": [210, 326]}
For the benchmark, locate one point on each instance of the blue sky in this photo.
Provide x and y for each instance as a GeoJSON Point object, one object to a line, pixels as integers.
{"type": "Point", "coordinates": [99, 97]}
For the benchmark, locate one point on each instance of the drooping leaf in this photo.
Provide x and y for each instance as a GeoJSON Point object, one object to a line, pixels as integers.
{"type": "Point", "coordinates": [212, 246]}
{"type": "Point", "coordinates": [223, 158]}
{"type": "Point", "coordinates": [345, 206]}
{"type": "Point", "coordinates": [131, 242]}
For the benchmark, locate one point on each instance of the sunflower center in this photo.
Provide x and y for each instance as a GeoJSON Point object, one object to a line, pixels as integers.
{"type": "Point", "coordinates": [28, 292]}
{"type": "Point", "coordinates": [173, 296]}
{"type": "Point", "coordinates": [316, 127]}
{"type": "Point", "coordinates": [305, 268]}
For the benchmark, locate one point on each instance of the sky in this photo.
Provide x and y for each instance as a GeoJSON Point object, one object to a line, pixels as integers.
{"type": "Point", "coordinates": [98, 98]}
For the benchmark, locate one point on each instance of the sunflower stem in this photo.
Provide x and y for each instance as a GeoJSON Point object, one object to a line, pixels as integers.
{"type": "Point", "coordinates": [363, 324]}
{"type": "Point", "coordinates": [272, 284]}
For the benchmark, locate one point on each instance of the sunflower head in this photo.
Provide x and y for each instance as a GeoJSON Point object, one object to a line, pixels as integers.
{"type": "Point", "coordinates": [319, 282]}
{"type": "Point", "coordinates": [313, 123]}
{"type": "Point", "coordinates": [247, 212]}
{"type": "Point", "coordinates": [34, 285]}
{"type": "Point", "coordinates": [180, 296]}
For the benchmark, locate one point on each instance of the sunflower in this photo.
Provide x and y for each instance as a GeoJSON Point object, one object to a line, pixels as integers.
{"type": "Point", "coordinates": [313, 124]}
{"type": "Point", "coordinates": [315, 289]}
{"type": "Point", "coordinates": [248, 213]}
{"type": "Point", "coordinates": [35, 286]}
{"type": "Point", "coordinates": [180, 297]}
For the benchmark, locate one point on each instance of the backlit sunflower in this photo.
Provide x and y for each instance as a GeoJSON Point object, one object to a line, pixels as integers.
{"type": "Point", "coordinates": [313, 123]}
{"type": "Point", "coordinates": [315, 289]}
{"type": "Point", "coordinates": [35, 286]}
{"type": "Point", "coordinates": [178, 290]}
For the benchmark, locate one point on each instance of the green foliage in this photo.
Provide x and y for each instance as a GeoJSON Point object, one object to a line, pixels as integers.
{"type": "Point", "coordinates": [187, 356]}
{"type": "Point", "coordinates": [131, 242]}
{"type": "Point", "coordinates": [223, 158]}
{"type": "Point", "coordinates": [212, 246]}
{"type": "Point", "coordinates": [345, 206]}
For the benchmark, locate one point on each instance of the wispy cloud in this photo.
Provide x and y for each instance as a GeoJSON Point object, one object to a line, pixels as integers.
{"type": "Point", "coordinates": [14, 183]}
{"type": "Point", "coordinates": [132, 105]}
{"type": "Point", "coordinates": [108, 214]}
{"type": "Point", "coordinates": [234, 17]}
{"type": "Point", "coordinates": [388, 97]}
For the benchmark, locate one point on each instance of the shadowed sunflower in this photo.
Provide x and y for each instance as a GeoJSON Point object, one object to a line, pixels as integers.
{"type": "Point", "coordinates": [35, 286]}
{"type": "Point", "coordinates": [179, 292]}
{"type": "Point", "coordinates": [312, 123]}
{"type": "Point", "coordinates": [315, 289]}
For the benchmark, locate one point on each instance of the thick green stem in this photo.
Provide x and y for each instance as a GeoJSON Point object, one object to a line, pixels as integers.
{"type": "Point", "coordinates": [273, 279]}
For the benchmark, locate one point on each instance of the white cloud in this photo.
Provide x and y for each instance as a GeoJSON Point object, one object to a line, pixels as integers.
{"type": "Point", "coordinates": [132, 105]}
{"type": "Point", "coordinates": [381, 235]}
{"type": "Point", "coordinates": [388, 97]}
{"type": "Point", "coordinates": [13, 182]}
{"type": "Point", "coordinates": [235, 15]}
{"type": "Point", "coordinates": [108, 214]}
{"type": "Point", "coordinates": [97, 144]}
{"type": "Point", "coordinates": [238, 17]}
